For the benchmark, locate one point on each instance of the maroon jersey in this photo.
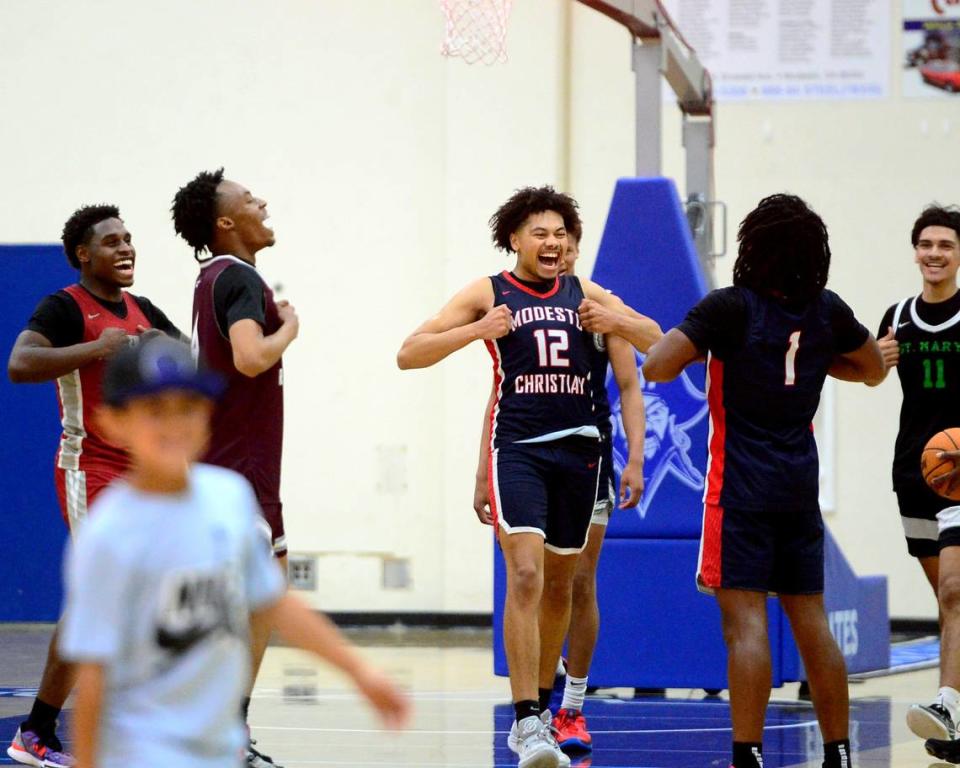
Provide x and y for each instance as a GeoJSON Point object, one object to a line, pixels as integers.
{"type": "Point", "coordinates": [82, 446]}
{"type": "Point", "coordinates": [247, 428]}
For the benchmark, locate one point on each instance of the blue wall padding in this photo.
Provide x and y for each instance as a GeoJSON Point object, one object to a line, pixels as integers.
{"type": "Point", "coordinates": [647, 257]}
{"type": "Point", "coordinates": [34, 532]}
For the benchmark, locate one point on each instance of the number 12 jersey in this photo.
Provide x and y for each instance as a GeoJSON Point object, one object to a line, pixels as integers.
{"type": "Point", "coordinates": [542, 366]}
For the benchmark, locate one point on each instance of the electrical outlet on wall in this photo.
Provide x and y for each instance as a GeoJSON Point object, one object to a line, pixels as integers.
{"type": "Point", "coordinates": [396, 573]}
{"type": "Point", "coordinates": [302, 572]}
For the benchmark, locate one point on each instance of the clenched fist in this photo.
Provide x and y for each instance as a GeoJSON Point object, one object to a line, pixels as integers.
{"type": "Point", "coordinates": [288, 315]}
{"type": "Point", "coordinates": [496, 323]}
{"type": "Point", "coordinates": [596, 318]}
{"type": "Point", "coordinates": [111, 341]}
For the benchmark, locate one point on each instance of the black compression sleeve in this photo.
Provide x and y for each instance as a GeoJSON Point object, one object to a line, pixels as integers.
{"type": "Point", "coordinates": [58, 318]}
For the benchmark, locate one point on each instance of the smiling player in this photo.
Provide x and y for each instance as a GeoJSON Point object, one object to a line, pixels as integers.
{"type": "Point", "coordinates": [242, 333]}
{"type": "Point", "coordinates": [921, 337]}
{"type": "Point", "coordinates": [545, 451]}
{"type": "Point", "coordinates": [69, 337]}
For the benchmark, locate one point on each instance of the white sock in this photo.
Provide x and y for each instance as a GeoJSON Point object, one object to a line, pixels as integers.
{"type": "Point", "coordinates": [574, 691]}
{"type": "Point", "coordinates": [950, 698]}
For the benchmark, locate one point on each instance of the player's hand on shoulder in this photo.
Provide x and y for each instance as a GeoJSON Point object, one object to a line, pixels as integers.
{"type": "Point", "coordinates": [111, 341]}
{"type": "Point", "coordinates": [392, 705]}
{"type": "Point", "coordinates": [496, 323]}
{"type": "Point", "coordinates": [596, 318]}
{"type": "Point", "coordinates": [288, 315]}
{"type": "Point", "coordinates": [889, 348]}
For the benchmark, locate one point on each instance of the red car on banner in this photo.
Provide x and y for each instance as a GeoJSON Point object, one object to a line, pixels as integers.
{"type": "Point", "coordinates": [942, 74]}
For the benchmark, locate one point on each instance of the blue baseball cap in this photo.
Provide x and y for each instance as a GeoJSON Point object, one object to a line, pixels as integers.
{"type": "Point", "coordinates": [156, 364]}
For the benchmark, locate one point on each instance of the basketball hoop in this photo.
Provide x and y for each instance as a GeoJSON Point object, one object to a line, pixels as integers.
{"type": "Point", "coordinates": [476, 30]}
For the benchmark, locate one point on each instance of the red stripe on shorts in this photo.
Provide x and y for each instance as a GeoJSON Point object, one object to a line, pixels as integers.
{"type": "Point", "coordinates": [494, 351]}
{"type": "Point", "coordinates": [718, 431]}
{"type": "Point", "coordinates": [709, 571]}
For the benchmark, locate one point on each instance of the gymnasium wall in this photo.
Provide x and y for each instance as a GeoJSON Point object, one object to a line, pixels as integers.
{"type": "Point", "coordinates": [381, 163]}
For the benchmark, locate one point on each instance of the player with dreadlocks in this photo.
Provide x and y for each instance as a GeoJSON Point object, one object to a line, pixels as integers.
{"type": "Point", "coordinates": [68, 339]}
{"type": "Point", "coordinates": [241, 332]}
{"type": "Point", "coordinates": [769, 341]}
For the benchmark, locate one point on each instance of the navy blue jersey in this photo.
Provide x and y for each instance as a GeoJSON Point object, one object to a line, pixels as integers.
{"type": "Point", "coordinates": [542, 368]}
{"type": "Point", "coordinates": [599, 361]}
{"type": "Point", "coordinates": [766, 364]}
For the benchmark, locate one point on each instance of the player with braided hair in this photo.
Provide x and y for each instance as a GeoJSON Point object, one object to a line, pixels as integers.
{"type": "Point", "coordinates": [770, 340]}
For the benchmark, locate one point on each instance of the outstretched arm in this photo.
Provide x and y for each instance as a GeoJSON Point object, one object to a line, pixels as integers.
{"type": "Point", "coordinates": [34, 359]}
{"type": "Point", "coordinates": [669, 356]}
{"type": "Point", "coordinates": [468, 316]}
{"type": "Point", "coordinates": [843, 369]}
{"type": "Point", "coordinates": [603, 312]}
{"type": "Point", "coordinates": [867, 364]}
{"type": "Point", "coordinates": [315, 633]}
{"type": "Point", "coordinates": [624, 366]}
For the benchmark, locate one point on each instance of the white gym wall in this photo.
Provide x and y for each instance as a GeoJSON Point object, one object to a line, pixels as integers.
{"type": "Point", "coordinates": [382, 162]}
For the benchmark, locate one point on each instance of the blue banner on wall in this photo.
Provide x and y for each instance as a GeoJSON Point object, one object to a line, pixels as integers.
{"type": "Point", "coordinates": [34, 533]}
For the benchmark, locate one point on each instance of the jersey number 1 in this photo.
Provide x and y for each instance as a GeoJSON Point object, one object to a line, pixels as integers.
{"type": "Point", "coordinates": [790, 375]}
{"type": "Point", "coordinates": [550, 350]}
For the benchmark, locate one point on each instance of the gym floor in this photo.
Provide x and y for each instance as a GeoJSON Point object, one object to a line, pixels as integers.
{"type": "Point", "coordinates": [305, 715]}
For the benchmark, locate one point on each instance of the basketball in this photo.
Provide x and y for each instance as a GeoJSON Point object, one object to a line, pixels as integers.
{"type": "Point", "coordinates": [932, 467]}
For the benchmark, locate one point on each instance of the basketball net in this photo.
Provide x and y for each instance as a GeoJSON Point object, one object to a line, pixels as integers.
{"type": "Point", "coordinates": [476, 30]}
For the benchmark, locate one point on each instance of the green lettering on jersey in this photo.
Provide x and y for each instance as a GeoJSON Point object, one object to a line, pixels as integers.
{"type": "Point", "coordinates": [928, 379]}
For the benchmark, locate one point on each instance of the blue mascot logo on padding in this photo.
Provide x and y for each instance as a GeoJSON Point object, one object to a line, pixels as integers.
{"type": "Point", "coordinates": [672, 410]}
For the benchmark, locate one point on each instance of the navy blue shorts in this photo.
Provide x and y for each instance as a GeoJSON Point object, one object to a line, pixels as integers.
{"type": "Point", "coordinates": [771, 550]}
{"type": "Point", "coordinates": [546, 488]}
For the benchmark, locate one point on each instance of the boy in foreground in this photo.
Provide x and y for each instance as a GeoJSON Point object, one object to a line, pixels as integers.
{"type": "Point", "coordinates": [169, 577]}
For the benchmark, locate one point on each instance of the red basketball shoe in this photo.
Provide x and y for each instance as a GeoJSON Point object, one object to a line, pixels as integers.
{"type": "Point", "coordinates": [572, 734]}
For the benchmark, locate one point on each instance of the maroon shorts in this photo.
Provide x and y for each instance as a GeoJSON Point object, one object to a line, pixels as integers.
{"type": "Point", "coordinates": [77, 489]}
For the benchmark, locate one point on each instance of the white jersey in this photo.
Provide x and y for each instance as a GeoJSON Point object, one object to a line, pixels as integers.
{"type": "Point", "coordinates": [159, 590]}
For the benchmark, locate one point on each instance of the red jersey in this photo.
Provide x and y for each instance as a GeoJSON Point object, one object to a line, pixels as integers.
{"type": "Point", "coordinates": [81, 445]}
{"type": "Point", "coordinates": [247, 428]}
